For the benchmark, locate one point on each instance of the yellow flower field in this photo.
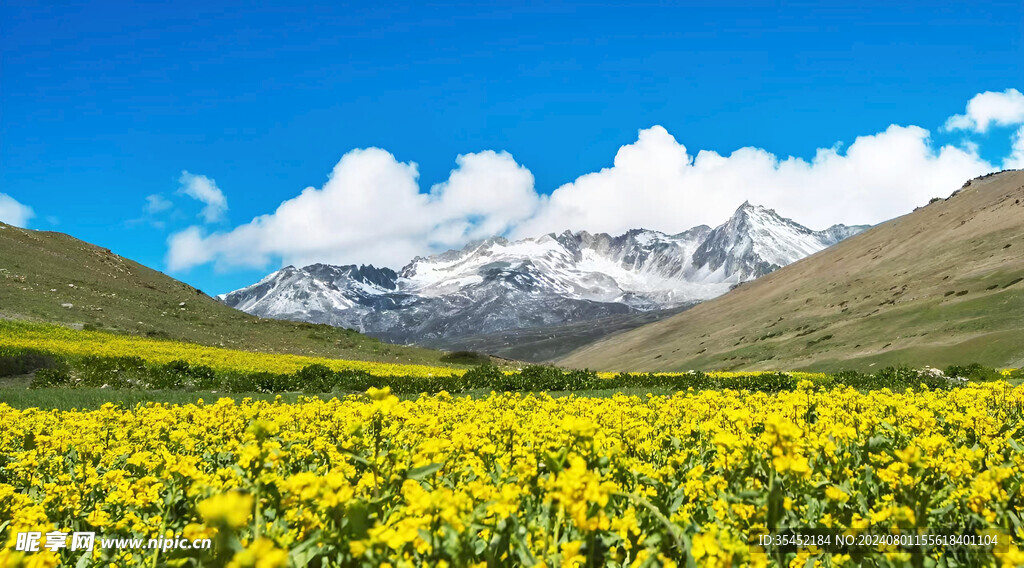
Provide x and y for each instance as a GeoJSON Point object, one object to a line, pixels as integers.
{"type": "Point", "coordinates": [513, 479]}
{"type": "Point", "coordinates": [65, 341]}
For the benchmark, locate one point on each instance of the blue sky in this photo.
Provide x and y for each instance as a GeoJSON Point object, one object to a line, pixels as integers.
{"type": "Point", "coordinates": [106, 104]}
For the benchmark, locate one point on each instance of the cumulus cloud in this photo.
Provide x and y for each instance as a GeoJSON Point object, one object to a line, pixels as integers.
{"type": "Point", "coordinates": [655, 183]}
{"type": "Point", "coordinates": [371, 210]}
{"type": "Point", "coordinates": [988, 108]}
{"type": "Point", "coordinates": [14, 213]}
{"type": "Point", "coordinates": [483, 197]}
{"type": "Point", "coordinates": [204, 189]}
{"type": "Point", "coordinates": [1015, 161]}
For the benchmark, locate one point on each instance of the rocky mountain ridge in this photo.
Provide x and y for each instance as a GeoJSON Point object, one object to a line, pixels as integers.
{"type": "Point", "coordinates": [497, 285]}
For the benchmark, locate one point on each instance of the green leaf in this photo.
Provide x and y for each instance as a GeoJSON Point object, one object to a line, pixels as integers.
{"type": "Point", "coordinates": [1015, 519]}
{"type": "Point", "coordinates": [358, 516]}
{"type": "Point", "coordinates": [357, 458]}
{"type": "Point", "coordinates": [424, 471]}
{"type": "Point", "coordinates": [552, 465]}
{"type": "Point", "coordinates": [776, 499]}
{"type": "Point", "coordinates": [690, 560]}
{"type": "Point", "coordinates": [302, 554]}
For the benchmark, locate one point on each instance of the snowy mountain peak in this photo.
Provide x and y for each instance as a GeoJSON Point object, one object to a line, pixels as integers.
{"type": "Point", "coordinates": [758, 214]}
{"type": "Point", "coordinates": [496, 284]}
{"type": "Point", "coordinates": [757, 240]}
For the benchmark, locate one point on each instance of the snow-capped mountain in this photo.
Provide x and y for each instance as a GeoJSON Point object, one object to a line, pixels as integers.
{"type": "Point", "coordinates": [756, 241]}
{"type": "Point", "coordinates": [496, 284]}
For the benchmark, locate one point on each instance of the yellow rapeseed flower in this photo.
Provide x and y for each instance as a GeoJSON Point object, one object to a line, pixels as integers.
{"type": "Point", "coordinates": [231, 509]}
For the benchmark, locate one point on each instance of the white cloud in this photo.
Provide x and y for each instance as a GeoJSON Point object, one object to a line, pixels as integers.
{"type": "Point", "coordinates": [483, 197]}
{"type": "Point", "coordinates": [205, 190]}
{"type": "Point", "coordinates": [186, 249]}
{"type": "Point", "coordinates": [371, 210]}
{"type": "Point", "coordinates": [656, 184]}
{"type": "Point", "coordinates": [991, 107]}
{"type": "Point", "coordinates": [156, 203]}
{"type": "Point", "coordinates": [1015, 161]}
{"type": "Point", "coordinates": [14, 213]}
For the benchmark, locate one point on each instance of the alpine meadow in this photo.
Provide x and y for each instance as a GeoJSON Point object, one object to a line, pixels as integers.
{"type": "Point", "coordinates": [546, 285]}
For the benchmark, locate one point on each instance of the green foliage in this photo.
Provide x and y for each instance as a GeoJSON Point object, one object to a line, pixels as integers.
{"type": "Point", "coordinates": [184, 375]}
{"type": "Point", "coordinates": [316, 378]}
{"type": "Point", "coordinates": [15, 362]}
{"type": "Point", "coordinates": [135, 373]}
{"type": "Point", "coordinates": [51, 378]}
{"type": "Point", "coordinates": [974, 372]}
{"type": "Point", "coordinates": [113, 372]}
{"type": "Point", "coordinates": [484, 374]}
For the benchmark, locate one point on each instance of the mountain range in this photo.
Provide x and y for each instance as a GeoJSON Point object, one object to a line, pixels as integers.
{"type": "Point", "coordinates": [497, 285]}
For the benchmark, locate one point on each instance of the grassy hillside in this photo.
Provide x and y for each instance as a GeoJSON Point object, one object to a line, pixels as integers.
{"type": "Point", "coordinates": [939, 286]}
{"type": "Point", "coordinates": [52, 277]}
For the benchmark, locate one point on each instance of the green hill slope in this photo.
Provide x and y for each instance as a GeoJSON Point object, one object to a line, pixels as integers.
{"type": "Point", "coordinates": [52, 277]}
{"type": "Point", "coordinates": [941, 285]}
